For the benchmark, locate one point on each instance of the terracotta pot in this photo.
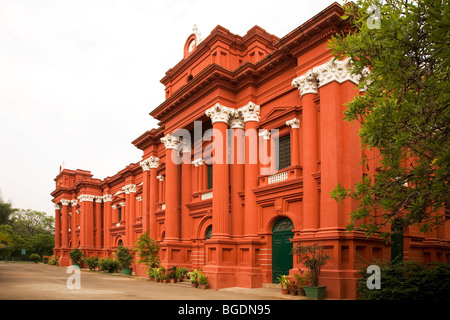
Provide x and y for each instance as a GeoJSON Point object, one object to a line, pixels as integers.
{"type": "Point", "coordinates": [194, 284]}
{"type": "Point", "coordinates": [173, 280]}
{"type": "Point", "coordinates": [284, 291]}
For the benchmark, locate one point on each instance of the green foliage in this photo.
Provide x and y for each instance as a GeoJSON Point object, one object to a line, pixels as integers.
{"type": "Point", "coordinates": [91, 262]}
{"type": "Point", "coordinates": [108, 265]}
{"type": "Point", "coordinates": [147, 250]}
{"type": "Point", "coordinates": [284, 281]}
{"type": "Point", "coordinates": [404, 113]}
{"type": "Point", "coordinates": [76, 256]}
{"type": "Point", "coordinates": [313, 257]}
{"type": "Point", "coordinates": [124, 257]}
{"type": "Point", "coordinates": [194, 275]}
{"type": "Point", "coordinates": [407, 281]}
{"type": "Point", "coordinates": [53, 261]}
{"type": "Point", "coordinates": [6, 210]}
{"type": "Point", "coordinates": [35, 257]}
{"type": "Point", "coordinates": [202, 278]}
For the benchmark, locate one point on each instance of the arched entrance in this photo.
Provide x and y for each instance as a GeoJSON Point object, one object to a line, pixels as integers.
{"type": "Point", "coordinates": [282, 259]}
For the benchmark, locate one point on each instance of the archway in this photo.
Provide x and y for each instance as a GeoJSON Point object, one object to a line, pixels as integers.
{"type": "Point", "coordinates": [282, 259]}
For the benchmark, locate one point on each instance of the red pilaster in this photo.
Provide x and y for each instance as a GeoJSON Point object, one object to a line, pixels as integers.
{"type": "Point", "coordinates": [57, 226]}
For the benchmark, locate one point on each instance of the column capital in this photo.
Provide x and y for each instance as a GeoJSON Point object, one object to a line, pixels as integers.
{"type": "Point", "coordinates": [107, 198]}
{"type": "Point", "coordinates": [147, 164]}
{"type": "Point", "coordinates": [237, 120]}
{"type": "Point", "coordinates": [57, 206]}
{"type": "Point", "coordinates": [73, 202]}
{"type": "Point", "coordinates": [336, 70]}
{"type": "Point", "coordinates": [160, 178]}
{"type": "Point", "coordinates": [86, 197]}
{"type": "Point", "coordinates": [293, 123]}
{"type": "Point", "coordinates": [198, 162]}
{"type": "Point", "coordinates": [265, 134]}
{"type": "Point", "coordinates": [129, 188]}
{"type": "Point", "coordinates": [170, 141]}
{"type": "Point", "coordinates": [65, 202]}
{"type": "Point", "coordinates": [99, 199]}
{"type": "Point", "coordinates": [219, 113]}
{"type": "Point", "coordinates": [250, 112]}
{"type": "Point", "coordinates": [307, 83]}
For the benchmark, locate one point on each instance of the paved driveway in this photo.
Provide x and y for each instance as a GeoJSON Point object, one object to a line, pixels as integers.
{"type": "Point", "coordinates": [44, 282]}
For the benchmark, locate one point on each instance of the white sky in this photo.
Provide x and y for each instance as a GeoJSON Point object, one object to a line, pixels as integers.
{"type": "Point", "coordinates": [79, 78]}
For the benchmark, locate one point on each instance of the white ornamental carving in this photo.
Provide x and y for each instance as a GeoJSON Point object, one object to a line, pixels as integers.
{"type": "Point", "coordinates": [335, 70]}
{"type": "Point", "coordinates": [86, 197]}
{"type": "Point", "coordinates": [250, 112]}
{"type": "Point", "coordinates": [170, 141]}
{"type": "Point", "coordinates": [73, 202]}
{"type": "Point", "coordinates": [198, 162]}
{"type": "Point", "coordinates": [306, 83]}
{"type": "Point", "coordinates": [265, 134]}
{"type": "Point", "coordinates": [294, 123]}
{"type": "Point", "coordinates": [147, 164]}
{"type": "Point", "coordinates": [219, 113]}
{"type": "Point", "coordinates": [99, 199]}
{"type": "Point", "coordinates": [57, 206]}
{"type": "Point", "coordinates": [237, 120]}
{"type": "Point", "coordinates": [65, 202]}
{"type": "Point", "coordinates": [107, 198]}
{"type": "Point", "coordinates": [129, 188]}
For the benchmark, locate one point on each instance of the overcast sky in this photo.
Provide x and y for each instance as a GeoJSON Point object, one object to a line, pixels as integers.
{"type": "Point", "coordinates": [79, 78]}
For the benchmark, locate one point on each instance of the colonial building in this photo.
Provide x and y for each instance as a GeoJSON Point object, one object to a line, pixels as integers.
{"type": "Point", "coordinates": [251, 140]}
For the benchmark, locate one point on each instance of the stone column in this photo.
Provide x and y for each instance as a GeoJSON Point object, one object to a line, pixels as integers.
{"type": "Point", "coordinates": [65, 223]}
{"type": "Point", "coordinates": [237, 173]}
{"type": "Point", "coordinates": [74, 224]}
{"type": "Point", "coordinates": [107, 218]}
{"type": "Point", "coordinates": [98, 222]}
{"type": "Point", "coordinates": [130, 212]}
{"type": "Point", "coordinates": [87, 221]}
{"type": "Point", "coordinates": [150, 195]}
{"type": "Point", "coordinates": [172, 215]}
{"type": "Point", "coordinates": [186, 190]}
{"type": "Point", "coordinates": [307, 86]}
{"type": "Point", "coordinates": [295, 141]}
{"type": "Point", "coordinates": [57, 226]}
{"type": "Point", "coordinates": [220, 116]}
{"type": "Point", "coordinates": [250, 114]}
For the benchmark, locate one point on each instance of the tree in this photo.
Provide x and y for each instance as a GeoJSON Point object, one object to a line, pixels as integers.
{"type": "Point", "coordinates": [28, 223]}
{"type": "Point", "coordinates": [404, 113]}
{"type": "Point", "coordinates": [6, 210]}
{"type": "Point", "coordinates": [42, 244]}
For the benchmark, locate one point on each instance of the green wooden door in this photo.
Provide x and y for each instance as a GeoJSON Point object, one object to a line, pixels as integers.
{"type": "Point", "coordinates": [282, 260]}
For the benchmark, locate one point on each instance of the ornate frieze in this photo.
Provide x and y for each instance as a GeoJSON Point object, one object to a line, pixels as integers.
{"type": "Point", "coordinates": [250, 112]}
{"type": "Point", "coordinates": [293, 123]}
{"type": "Point", "coordinates": [219, 113]}
{"type": "Point", "coordinates": [170, 141]}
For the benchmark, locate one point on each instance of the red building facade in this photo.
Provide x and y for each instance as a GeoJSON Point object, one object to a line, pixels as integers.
{"type": "Point", "coordinates": [251, 140]}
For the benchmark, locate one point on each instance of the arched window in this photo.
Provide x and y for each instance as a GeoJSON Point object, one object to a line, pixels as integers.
{"type": "Point", "coordinates": [208, 232]}
{"type": "Point", "coordinates": [120, 243]}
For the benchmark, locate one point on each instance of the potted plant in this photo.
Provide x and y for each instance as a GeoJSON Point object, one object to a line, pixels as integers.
{"type": "Point", "coordinates": [202, 280]}
{"type": "Point", "coordinates": [313, 257]}
{"type": "Point", "coordinates": [108, 265]}
{"type": "Point", "coordinates": [76, 256]}
{"type": "Point", "coordinates": [125, 259]}
{"type": "Point", "coordinates": [194, 278]}
{"type": "Point", "coordinates": [301, 280]}
{"type": "Point", "coordinates": [284, 282]}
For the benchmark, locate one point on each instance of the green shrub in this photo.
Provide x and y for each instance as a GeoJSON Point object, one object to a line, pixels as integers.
{"type": "Point", "coordinates": [76, 256]}
{"type": "Point", "coordinates": [91, 262]}
{"type": "Point", "coordinates": [408, 281]}
{"type": "Point", "coordinates": [108, 265]}
{"type": "Point", "coordinates": [124, 257]}
{"type": "Point", "coordinates": [35, 257]}
{"type": "Point", "coordinates": [53, 261]}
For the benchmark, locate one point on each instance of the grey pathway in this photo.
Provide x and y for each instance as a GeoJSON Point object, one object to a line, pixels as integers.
{"type": "Point", "coordinates": [44, 282]}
